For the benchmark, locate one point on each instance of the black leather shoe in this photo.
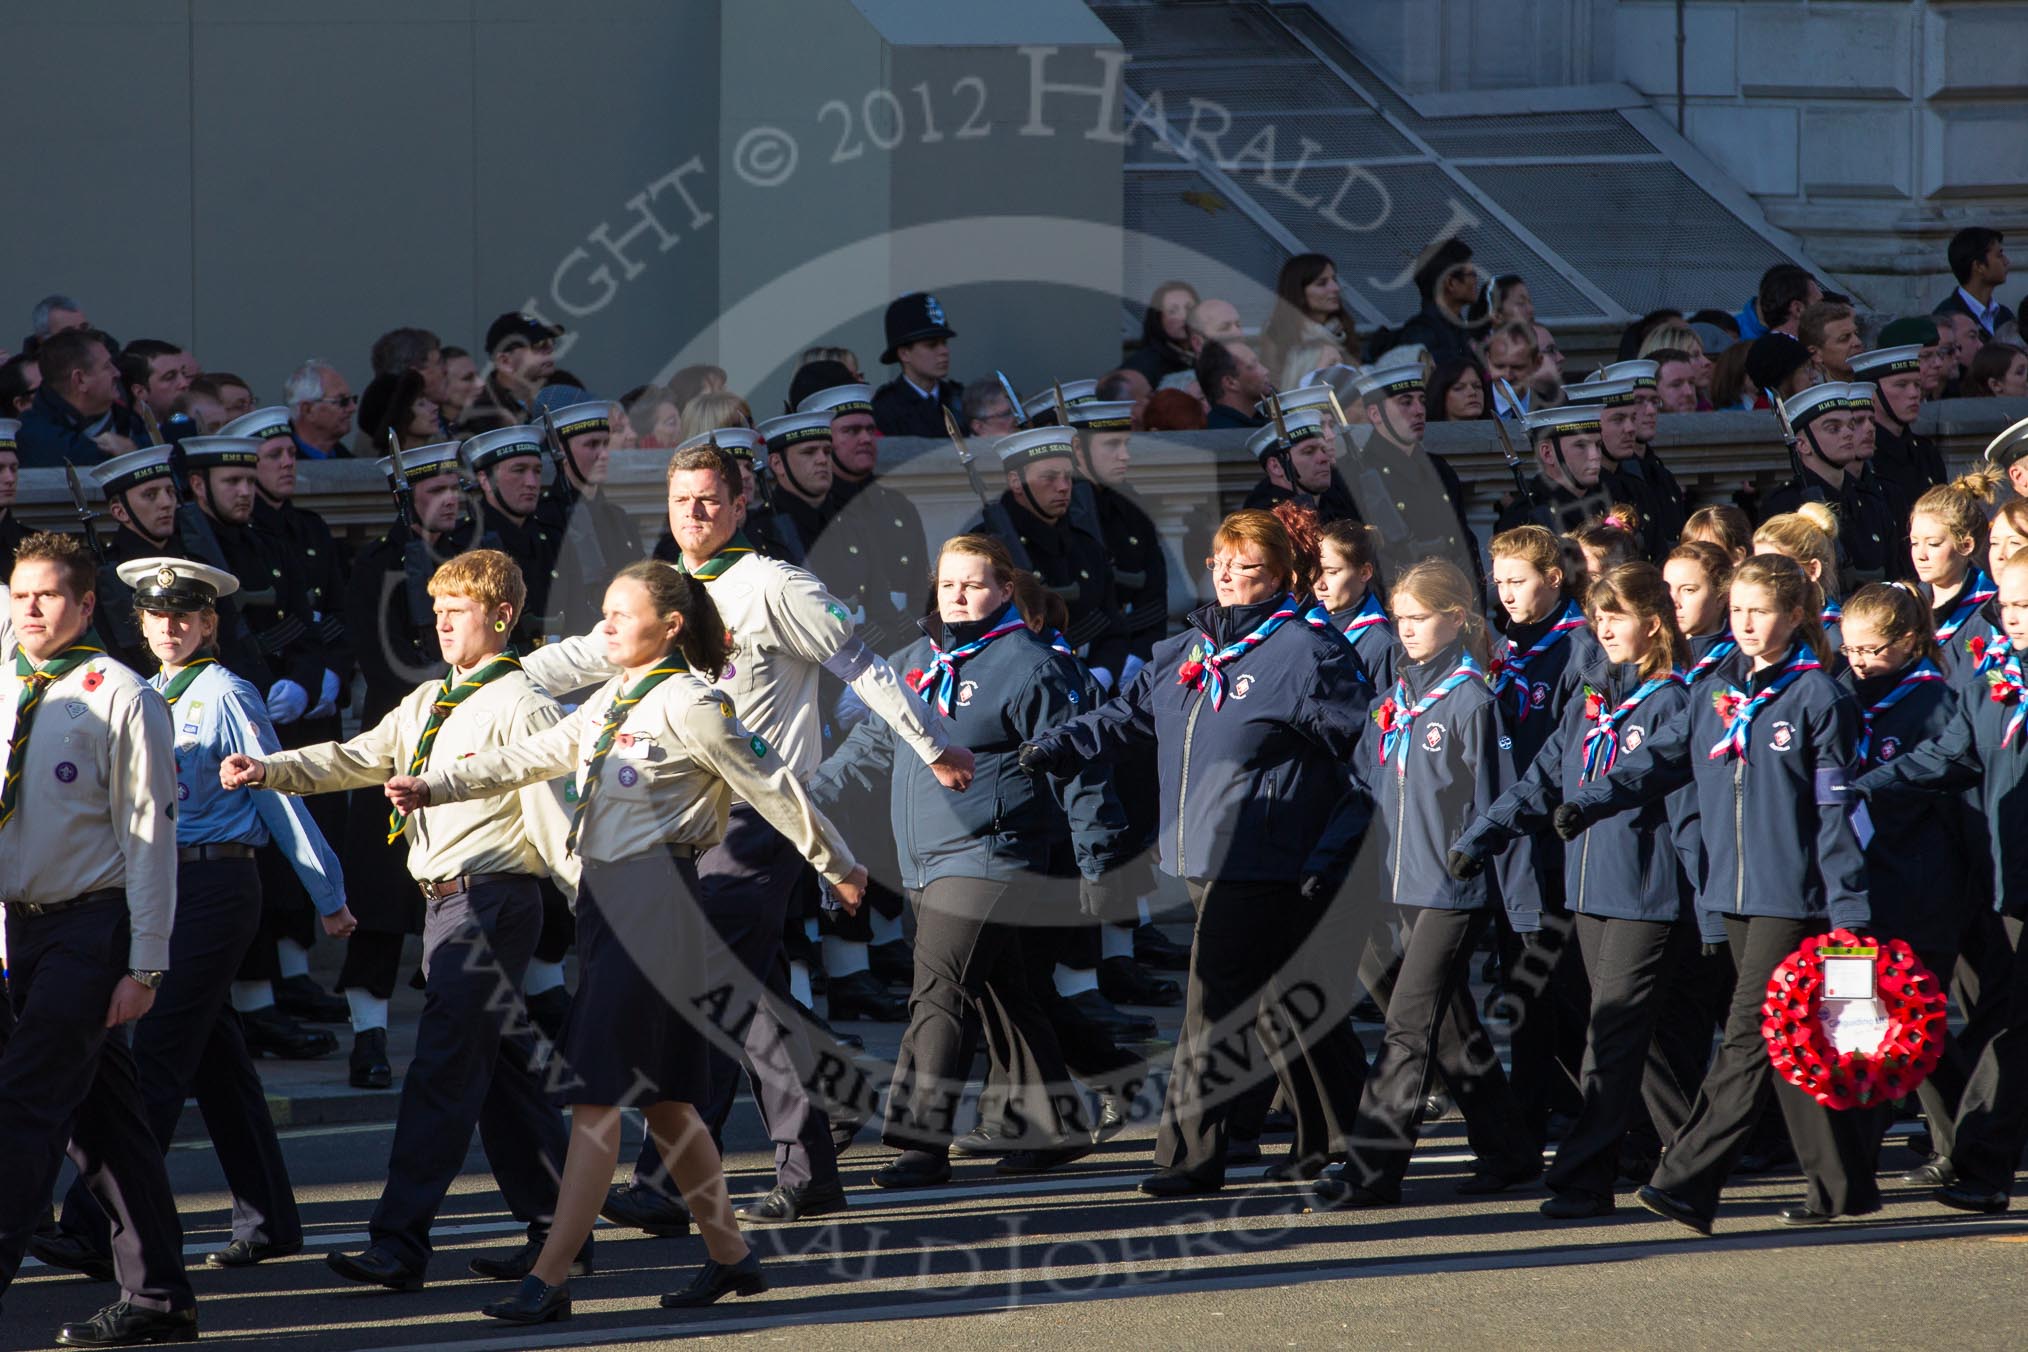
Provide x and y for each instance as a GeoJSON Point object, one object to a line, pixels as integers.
{"type": "Point", "coordinates": [370, 1069]}
{"type": "Point", "coordinates": [797, 1203]}
{"type": "Point", "coordinates": [1124, 981]}
{"type": "Point", "coordinates": [983, 1141]}
{"type": "Point", "coordinates": [1436, 1105]}
{"type": "Point", "coordinates": [1176, 1183]}
{"type": "Point", "coordinates": [1802, 1215]}
{"type": "Point", "coordinates": [247, 1252]}
{"type": "Point", "coordinates": [62, 1249]}
{"type": "Point", "coordinates": [1112, 1117]}
{"type": "Point", "coordinates": [1119, 1025]}
{"type": "Point", "coordinates": [1938, 1173]}
{"type": "Point", "coordinates": [866, 997]}
{"type": "Point", "coordinates": [1483, 1181]}
{"type": "Point", "coordinates": [893, 962]}
{"type": "Point", "coordinates": [717, 1280]}
{"type": "Point", "coordinates": [1672, 1208]}
{"type": "Point", "coordinates": [1240, 1150]}
{"type": "Point", "coordinates": [641, 1208]}
{"type": "Point", "coordinates": [1335, 1192]}
{"type": "Point", "coordinates": [300, 997]}
{"type": "Point", "coordinates": [1972, 1197]}
{"type": "Point", "coordinates": [914, 1169]}
{"type": "Point", "coordinates": [269, 1032]}
{"type": "Point", "coordinates": [548, 1010]}
{"type": "Point", "coordinates": [124, 1325]}
{"type": "Point", "coordinates": [1043, 1159]}
{"type": "Point", "coordinates": [1152, 948]}
{"type": "Point", "coordinates": [534, 1302]}
{"type": "Point", "coordinates": [514, 1266]}
{"type": "Point", "coordinates": [1578, 1206]}
{"type": "Point", "coordinates": [375, 1267]}
{"type": "Point", "coordinates": [1293, 1170]}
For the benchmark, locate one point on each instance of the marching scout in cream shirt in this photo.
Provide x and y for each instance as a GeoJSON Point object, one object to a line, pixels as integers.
{"type": "Point", "coordinates": [678, 759]}
{"type": "Point", "coordinates": [521, 834]}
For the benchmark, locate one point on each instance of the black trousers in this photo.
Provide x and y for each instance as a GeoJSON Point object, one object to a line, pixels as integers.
{"type": "Point", "coordinates": [189, 1044]}
{"type": "Point", "coordinates": [1545, 987]}
{"type": "Point", "coordinates": [475, 1065]}
{"type": "Point", "coordinates": [65, 1078]}
{"type": "Point", "coordinates": [1628, 963]}
{"type": "Point", "coordinates": [1831, 1146]}
{"type": "Point", "coordinates": [1257, 1002]}
{"type": "Point", "coordinates": [748, 885]}
{"type": "Point", "coordinates": [1992, 1121]}
{"type": "Point", "coordinates": [1430, 987]}
{"type": "Point", "coordinates": [968, 958]}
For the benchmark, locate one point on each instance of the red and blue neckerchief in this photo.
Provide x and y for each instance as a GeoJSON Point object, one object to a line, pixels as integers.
{"type": "Point", "coordinates": [1396, 716]}
{"type": "Point", "coordinates": [939, 684]}
{"type": "Point", "coordinates": [1602, 739]}
{"type": "Point", "coordinates": [1737, 710]}
{"type": "Point", "coordinates": [1922, 673]}
{"type": "Point", "coordinates": [1717, 653]}
{"type": "Point", "coordinates": [1060, 643]}
{"type": "Point", "coordinates": [1207, 667]}
{"type": "Point", "coordinates": [1832, 612]}
{"type": "Point", "coordinates": [2004, 686]}
{"type": "Point", "coordinates": [1370, 613]}
{"type": "Point", "coordinates": [1979, 589]}
{"type": "Point", "coordinates": [1510, 673]}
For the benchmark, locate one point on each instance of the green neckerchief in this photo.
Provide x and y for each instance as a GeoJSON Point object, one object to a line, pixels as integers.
{"type": "Point", "coordinates": [35, 682]}
{"type": "Point", "coordinates": [181, 681]}
{"type": "Point", "coordinates": [735, 549]}
{"type": "Point", "coordinates": [609, 730]}
{"type": "Point", "coordinates": [450, 695]}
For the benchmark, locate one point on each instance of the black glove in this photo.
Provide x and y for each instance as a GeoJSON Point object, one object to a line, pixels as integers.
{"type": "Point", "coordinates": [1036, 758]}
{"type": "Point", "coordinates": [1568, 819]}
{"type": "Point", "coordinates": [1463, 867]}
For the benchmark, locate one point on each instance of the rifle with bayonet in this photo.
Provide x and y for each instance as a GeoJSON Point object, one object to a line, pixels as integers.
{"type": "Point", "coordinates": [86, 517]}
{"type": "Point", "coordinates": [1809, 485]}
{"type": "Point", "coordinates": [417, 565]}
{"type": "Point", "coordinates": [592, 571]}
{"type": "Point", "coordinates": [991, 513]}
{"type": "Point", "coordinates": [1515, 465]}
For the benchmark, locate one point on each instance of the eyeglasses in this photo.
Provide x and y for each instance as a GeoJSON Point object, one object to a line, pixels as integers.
{"type": "Point", "coordinates": [1864, 652]}
{"type": "Point", "coordinates": [342, 400]}
{"type": "Point", "coordinates": [1233, 566]}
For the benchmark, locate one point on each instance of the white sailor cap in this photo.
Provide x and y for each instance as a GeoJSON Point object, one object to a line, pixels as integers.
{"type": "Point", "coordinates": [1397, 371]}
{"type": "Point", "coordinates": [502, 443]}
{"type": "Point", "coordinates": [1887, 361]}
{"type": "Point", "coordinates": [123, 472]}
{"type": "Point", "coordinates": [594, 415]}
{"type": "Point", "coordinates": [219, 452]}
{"type": "Point", "coordinates": [741, 443]}
{"type": "Point", "coordinates": [1307, 425]}
{"type": "Point", "coordinates": [793, 429]}
{"type": "Point", "coordinates": [1811, 404]}
{"type": "Point", "coordinates": [2009, 446]}
{"type": "Point", "coordinates": [1094, 415]}
{"type": "Point", "coordinates": [263, 424]}
{"type": "Point", "coordinates": [839, 401]}
{"type": "Point", "coordinates": [424, 462]}
{"type": "Point", "coordinates": [1566, 420]}
{"type": "Point", "coordinates": [1039, 410]}
{"type": "Point", "coordinates": [1607, 393]}
{"type": "Point", "coordinates": [1035, 443]}
{"type": "Point", "coordinates": [1644, 373]}
{"type": "Point", "coordinates": [1859, 395]}
{"type": "Point", "coordinates": [1294, 401]}
{"type": "Point", "coordinates": [175, 586]}
{"type": "Point", "coordinates": [10, 434]}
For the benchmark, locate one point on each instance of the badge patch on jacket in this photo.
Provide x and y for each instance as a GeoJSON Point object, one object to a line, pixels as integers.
{"type": "Point", "coordinates": [1890, 747]}
{"type": "Point", "coordinates": [1433, 737]}
{"type": "Point", "coordinates": [1242, 687]}
{"type": "Point", "coordinates": [1635, 736]}
{"type": "Point", "coordinates": [1538, 694]}
{"type": "Point", "coordinates": [1783, 736]}
{"type": "Point", "coordinates": [967, 689]}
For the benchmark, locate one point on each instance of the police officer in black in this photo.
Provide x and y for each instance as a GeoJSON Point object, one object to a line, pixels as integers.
{"type": "Point", "coordinates": [878, 569]}
{"type": "Point", "coordinates": [1828, 424]}
{"type": "Point", "coordinates": [597, 538]}
{"type": "Point", "coordinates": [918, 340]}
{"type": "Point", "coordinates": [507, 465]}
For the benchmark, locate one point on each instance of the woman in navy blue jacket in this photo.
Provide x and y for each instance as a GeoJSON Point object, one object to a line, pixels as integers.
{"type": "Point", "coordinates": [1345, 587]}
{"type": "Point", "coordinates": [1434, 758]}
{"type": "Point", "coordinates": [970, 860]}
{"type": "Point", "coordinates": [1946, 545]}
{"type": "Point", "coordinates": [1768, 744]}
{"type": "Point", "coordinates": [1254, 712]}
{"type": "Point", "coordinates": [1985, 744]}
{"type": "Point", "coordinates": [1625, 886]}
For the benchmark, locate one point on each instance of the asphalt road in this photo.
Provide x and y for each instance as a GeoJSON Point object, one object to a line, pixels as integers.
{"type": "Point", "coordinates": [1080, 1259]}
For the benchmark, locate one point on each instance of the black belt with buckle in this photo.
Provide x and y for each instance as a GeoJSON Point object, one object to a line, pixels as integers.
{"type": "Point", "coordinates": [444, 888]}
{"type": "Point", "coordinates": [193, 854]}
{"type": "Point", "coordinates": [26, 908]}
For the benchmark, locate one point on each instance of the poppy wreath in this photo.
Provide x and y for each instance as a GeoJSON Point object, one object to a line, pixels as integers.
{"type": "Point", "coordinates": [1802, 1052]}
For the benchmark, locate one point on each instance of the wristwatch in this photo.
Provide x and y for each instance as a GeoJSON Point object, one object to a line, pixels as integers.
{"type": "Point", "coordinates": [152, 980]}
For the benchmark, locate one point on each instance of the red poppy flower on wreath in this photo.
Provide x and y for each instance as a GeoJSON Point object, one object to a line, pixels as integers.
{"type": "Point", "coordinates": [1802, 1051]}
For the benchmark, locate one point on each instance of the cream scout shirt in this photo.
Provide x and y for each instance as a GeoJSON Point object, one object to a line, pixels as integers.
{"type": "Point", "coordinates": [520, 834]}
{"type": "Point", "coordinates": [784, 627]}
{"type": "Point", "coordinates": [97, 800]}
{"type": "Point", "coordinates": [681, 755]}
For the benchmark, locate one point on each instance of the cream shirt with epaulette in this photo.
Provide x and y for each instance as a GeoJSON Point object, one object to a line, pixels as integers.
{"type": "Point", "coordinates": [678, 760]}
{"type": "Point", "coordinates": [520, 834]}
{"type": "Point", "coordinates": [96, 802]}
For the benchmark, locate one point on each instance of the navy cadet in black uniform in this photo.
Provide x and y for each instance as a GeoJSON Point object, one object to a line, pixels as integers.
{"type": "Point", "coordinates": [799, 455]}
{"type": "Point", "coordinates": [507, 465]}
{"type": "Point", "coordinates": [1905, 463]}
{"type": "Point", "coordinates": [1411, 496]}
{"type": "Point", "coordinates": [1620, 477]}
{"type": "Point", "coordinates": [918, 340]}
{"type": "Point", "coordinates": [1668, 503]}
{"type": "Point", "coordinates": [140, 489]}
{"type": "Point", "coordinates": [88, 870]}
{"type": "Point", "coordinates": [1309, 452]}
{"type": "Point", "coordinates": [1568, 485]}
{"type": "Point", "coordinates": [1826, 421]}
{"type": "Point", "coordinates": [596, 537]}
{"type": "Point", "coordinates": [882, 571]}
{"type": "Point", "coordinates": [1133, 541]}
{"type": "Point", "coordinates": [11, 530]}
